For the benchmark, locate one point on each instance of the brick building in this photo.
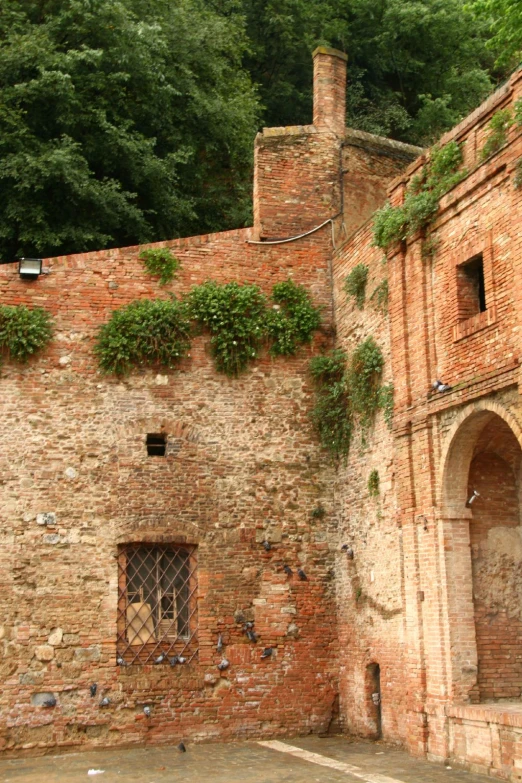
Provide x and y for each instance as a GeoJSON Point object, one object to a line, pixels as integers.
{"type": "Point", "coordinates": [135, 510]}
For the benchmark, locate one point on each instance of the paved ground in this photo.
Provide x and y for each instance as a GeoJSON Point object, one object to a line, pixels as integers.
{"type": "Point", "coordinates": [302, 760]}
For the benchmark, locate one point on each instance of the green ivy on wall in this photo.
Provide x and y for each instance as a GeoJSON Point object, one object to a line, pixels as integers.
{"type": "Point", "coordinates": [380, 297]}
{"type": "Point", "coordinates": [373, 483]}
{"type": "Point", "coordinates": [145, 333]}
{"type": "Point", "coordinates": [239, 318]}
{"type": "Point", "coordinates": [348, 391]}
{"type": "Point", "coordinates": [23, 331]}
{"type": "Point", "coordinates": [355, 284]}
{"type": "Point", "coordinates": [442, 172]}
{"type": "Point", "coordinates": [160, 262]}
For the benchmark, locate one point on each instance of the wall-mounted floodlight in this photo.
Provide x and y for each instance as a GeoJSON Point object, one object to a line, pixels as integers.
{"type": "Point", "coordinates": [29, 268]}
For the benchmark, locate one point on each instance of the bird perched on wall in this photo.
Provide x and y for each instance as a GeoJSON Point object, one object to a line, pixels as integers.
{"type": "Point", "coordinates": [248, 625]}
{"type": "Point", "coordinates": [438, 386]}
{"type": "Point", "coordinates": [267, 652]}
{"type": "Point", "coordinates": [49, 702]}
{"type": "Point", "coordinates": [349, 551]}
{"type": "Point", "coordinates": [181, 659]}
{"type": "Point", "coordinates": [105, 702]}
{"type": "Point", "coordinates": [147, 712]}
{"type": "Point", "coordinates": [223, 665]}
{"type": "Point", "coordinates": [182, 748]}
{"type": "Point", "coordinates": [120, 661]}
{"type": "Point", "coordinates": [288, 571]}
{"type": "Point", "coordinates": [301, 574]}
{"type": "Point", "coordinates": [93, 689]}
{"type": "Point", "coordinates": [252, 636]}
{"type": "Point", "coordinates": [267, 546]}
{"type": "Point", "coordinates": [174, 660]}
{"type": "Point", "coordinates": [219, 646]}
{"type": "Point", "coordinates": [160, 658]}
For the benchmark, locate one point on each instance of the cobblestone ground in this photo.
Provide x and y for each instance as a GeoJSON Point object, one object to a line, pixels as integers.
{"type": "Point", "coordinates": [302, 760]}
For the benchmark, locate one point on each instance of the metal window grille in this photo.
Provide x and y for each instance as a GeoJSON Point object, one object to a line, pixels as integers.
{"type": "Point", "coordinates": [157, 602]}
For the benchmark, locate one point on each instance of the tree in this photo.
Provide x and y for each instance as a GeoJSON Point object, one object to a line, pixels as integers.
{"type": "Point", "coordinates": [504, 18]}
{"type": "Point", "coordinates": [121, 121]}
{"type": "Point", "coordinates": [415, 66]}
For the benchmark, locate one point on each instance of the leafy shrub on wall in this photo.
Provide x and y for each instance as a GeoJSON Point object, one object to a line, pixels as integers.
{"type": "Point", "coordinates": [23, 331]}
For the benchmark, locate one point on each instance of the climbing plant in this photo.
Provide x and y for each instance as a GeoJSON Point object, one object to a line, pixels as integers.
{"type": "Point", "coordinates": [144, 333]}
{"type": "Point", "coordinates": [159, 262]}
{"type": "Point", "coordinates": [23, 331]}
{"type": "Point", "coordinates": [498, 128]}
{"type": "Point", "coordinates": [235, 315]}
{"type": "Point", "coordinates": [348, 391]}
{"type": "Point", "coordinates": [292, 320]}
{"type": "Point", "coordinates": [379, 297]}
{"type": "Point", "coordinates": [332, 412]}
{"type": "Point", "coordinates": [355, 284]}
{"type": "Point", "coordinates": [421, 202]}
{"type": "Point", "coordinates": [373, 483]}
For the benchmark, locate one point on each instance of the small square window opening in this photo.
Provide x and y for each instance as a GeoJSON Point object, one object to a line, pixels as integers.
{"type": "Point", "coordinates": [157, 603]}
{"type": "Point", "coordinates": [157, 444]}
{"type": "Point", "coordinates": [471, 288]}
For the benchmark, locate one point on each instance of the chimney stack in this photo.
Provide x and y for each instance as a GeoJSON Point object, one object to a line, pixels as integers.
{"type": "Point", "coordinates": [330, 90]}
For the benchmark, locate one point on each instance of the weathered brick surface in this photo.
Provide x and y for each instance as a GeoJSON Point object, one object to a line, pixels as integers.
{"type": "Point", "coordinates": [431, 596]}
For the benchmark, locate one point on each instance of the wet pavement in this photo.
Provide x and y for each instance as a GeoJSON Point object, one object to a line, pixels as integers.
{"type": "Point", "coordinates": [300, 760]}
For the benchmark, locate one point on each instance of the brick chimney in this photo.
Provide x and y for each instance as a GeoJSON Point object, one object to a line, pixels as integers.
{"type": "Point", "coordinates": [330, 90]}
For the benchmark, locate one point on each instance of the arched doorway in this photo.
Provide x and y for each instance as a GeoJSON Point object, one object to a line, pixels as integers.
{"type": "Point", "coordinates": [482, 486]}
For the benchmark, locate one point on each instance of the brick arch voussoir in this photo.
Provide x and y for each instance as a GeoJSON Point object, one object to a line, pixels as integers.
{"type": "Point", "coordinates": [458, 449]}
{"type": "Point", "coordinates": [172, 427]}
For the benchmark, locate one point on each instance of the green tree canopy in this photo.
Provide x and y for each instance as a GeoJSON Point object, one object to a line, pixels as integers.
{"type": "Point", "coordinates": [415, 67]}
{"type": "Point", "coordinates": [504, 19]}
{"type": "Point", "coordinates": [120, 122]}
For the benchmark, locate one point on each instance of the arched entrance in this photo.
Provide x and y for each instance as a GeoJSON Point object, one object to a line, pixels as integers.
{"type": "Point", "coordinates": [481, 493]}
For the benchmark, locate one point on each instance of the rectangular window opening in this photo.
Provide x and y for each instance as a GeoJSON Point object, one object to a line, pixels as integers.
{"type": "Point", "coordinates": [156, 444]}
{"type": "Point", "coordinates": [157, 603]}
{"type": "Point", "coordinates": [471, 288]}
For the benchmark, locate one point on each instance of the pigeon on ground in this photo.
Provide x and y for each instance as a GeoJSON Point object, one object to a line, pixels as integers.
{"type": "Point", "coordinates": [219, 643]}
{"type": "Point", "coordinates": [105, 702]}
{"type": "Point", "coordinates": [288, 571]}
{"type": "Point", "coordinates": [50, 702]}
{"type": "Point", "coordinates": [93, 689]}
{"type": "Point", "coordinates": [181, 747]}
{"type": "Point", "coordinates": [301, 574]}
{"type": "Point", "coordinates": [267, 652]}
{"type": "Point", "coordinates": [160, 658]}
{"type": "Point", "coordinates": [223, 665]}
{"type": "Point", "coordinates": [267, 546]}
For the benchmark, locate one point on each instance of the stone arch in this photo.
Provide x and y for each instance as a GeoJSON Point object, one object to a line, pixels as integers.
{"type": "Point", "coordinates": [458, 450]}
{"type": "Point", "coordinates": [483, 542]}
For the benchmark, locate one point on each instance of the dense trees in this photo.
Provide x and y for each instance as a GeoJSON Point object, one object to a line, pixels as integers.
{"type": "Point", "coordinates": [126, 121]}
{"type": "Point", "coordinates": [120, 122]}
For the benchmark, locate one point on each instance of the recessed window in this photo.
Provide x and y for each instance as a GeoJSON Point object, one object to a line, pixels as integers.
{"type": "Point", "coordinates": [157, 607]}
{"type": "Point", "coordinates": [471, 287]}
{"type": "Point", "coordinates": [157, 444]}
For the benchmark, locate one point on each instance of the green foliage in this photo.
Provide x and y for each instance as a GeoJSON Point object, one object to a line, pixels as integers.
{"type": "Point", "coordinates": [348, 391]}
{"type": "Point", "coordinates": [498, 128]}
{"type": "Point", "coordinates": [385, 398]}
{"type": "Point", "coordinates": [517, 179]}
{"type": "Point", "coordinates": [332, 414]}
{"type": "Point", "coordinates": [517, 107]}
{"type": "Point", "coordinates": [121, 122]}
{"type": "Point", "coordinates": [145, 333]}
{"type": "Point", "coordinates": [364, 376]}
{"type": "Point", "coordinates": [421, 202]}
{"type": "Point", "coordinates": [160, 262]}
{"type": "Point", "coordinates": [416, 66]}
{"type": "Point", "coordinates": [23, 331]}
{"type": "Point", "coordinates": [355, 284]}
{"type": "Point", "coordinates": [292, 320]}
{"type": "Point", "coordinates": [373, 483]}
{"type": "Point", "coordinates": [503, 22]}
{"type": "Point", "coordinates": [235, 315]}
{"type": "Point", "coordinates": [380, 297]}
{"type": "Point", "coordinates": [318, 512]}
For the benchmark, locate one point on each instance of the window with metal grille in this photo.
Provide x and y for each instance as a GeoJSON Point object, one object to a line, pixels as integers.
{"type": "Point", "coordinates": [157, 603]}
